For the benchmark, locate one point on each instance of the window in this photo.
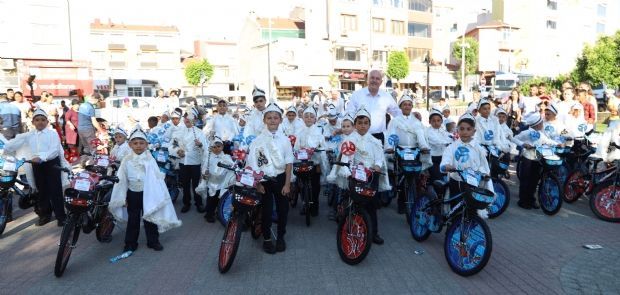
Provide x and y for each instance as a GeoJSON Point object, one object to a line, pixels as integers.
{"type": "Point", "coordinates": [419, 30]}
{"type": "Point", "coordinates": [398, 27]}
{"type": "Point", "coordinates": [417, 55]}
{"type": "Point", "coordinates": [377, 2]}
{"type": "Point", "coordinates": [552, 4]}
{"type": "Point", "coordinates": [348, 53]}
{"type": "Point", "coordinates": [396, 3]}
{"type": "Point", "coordinates": [551, 24]}
{"type": "Point", "coordinates": [378, 25]}
{"type": "Point", "coordinates": [601, 10]}
{"type": "Point", "coordinates": [600, 28]}
{"type": "Point", "coordinates": [348, 22]}
{"type": "Point", "coordinates": [134, 91]}
{"type": "Point", "coordinates": [420, 5]}
{"type": "Point", "coordinates": [379, 56]}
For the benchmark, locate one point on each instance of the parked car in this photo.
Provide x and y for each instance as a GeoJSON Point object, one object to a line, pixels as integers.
{"type": "Point", "coordinates": [435, 95]}
{"type": "Point", "coordinates": [117, 111]}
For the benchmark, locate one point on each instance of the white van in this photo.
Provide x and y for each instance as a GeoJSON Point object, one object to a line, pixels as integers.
{"type": "Point", "coordinates": [504, 83]}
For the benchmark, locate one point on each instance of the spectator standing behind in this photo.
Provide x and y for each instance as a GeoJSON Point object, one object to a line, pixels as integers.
{"type": "Point", "coordinates": [87, 122]}
{"type": "Point", "coordinates": [71, 123]}
{"type": "Point", "coordinates": [24, 108]}
{"type": "Point", "coordinates": [11, 118]}
{"type": "Point", "coordinates": [377, 102]}
{"type": "Point", "coordinates": [10, 94]}
{"type": "Point", "coordinates": [589, 112]}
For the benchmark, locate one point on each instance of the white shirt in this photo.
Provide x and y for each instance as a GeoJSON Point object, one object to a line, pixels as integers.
{"type": "Point", "coordinates": [254, 124]}
{"type": "Point", "coordinates": [24, 107]}
{"type": "Point", "coordinates": [488, 132]}
{"type": "Point", "coordinates": [554, 129]}
{"type": "Point", "coordinates": [44, 144]}
{"type": "Point", "coordinates": [270, 153]}
{"type": "Point", "coordinates": [533, 138]}
{"type": "Point", "coordinates": [438, 140]}
{"type": "Point", "coordinates": [223, 126]}
{"type": "Point", "coordinates": [193, 153]}
{"type": "Point", "coordinates": [377, 106]}
{"type": "Point", "coordinates": [529, 104]}
{"type": "Point", "coordinates": [219, 178]}
{"type": "Point", "coordinates": [462, 155]}
{"type": "Point", "coordinates": [50, 110]}
{"type": "Point", "coordinates": [120, 151]}
{"type": "Point", "coordinates": [135, 171]}
{"type": "Point", "coordinates": [409, 130]}
{"type": "Point", "coordinates": [368, 150]}
{"type": "Point", "coordinates": [289, 127]}
{"type": "Point", "coordinates": [610, 135]}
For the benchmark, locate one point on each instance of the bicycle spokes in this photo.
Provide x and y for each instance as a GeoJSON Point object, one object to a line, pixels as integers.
{"type": "Point", "coordinates": [355, 237]}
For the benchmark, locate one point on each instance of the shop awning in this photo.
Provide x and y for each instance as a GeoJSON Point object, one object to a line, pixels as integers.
{"type": "Point", "coordinates": [436, 79]}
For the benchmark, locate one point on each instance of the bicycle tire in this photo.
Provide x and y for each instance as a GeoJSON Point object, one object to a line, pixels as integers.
{"type": "Point", "coordinates": [549, 194]}
{"type": "Point", "coordinates": [419, 225]}
{"type": "Point", "coordinates": [601, 205]}
{"type": "Point", "coordinates": [4, 213]}
{"type": "Point", "coordinates": [256, 223]}
{"type": "Point", "coordinates": [574, 186]}
{"type": "Point", "coordinates": [362, 228]}
{"type": "Point", "coordinates": [502, 198]}
{"type": "Point", "coordinates": [229, 245]}
{"type": "Point", "coordinates": [225, 208]}
{"type": "Point", "coordinates": [68, 239]}
{"type": "Point", "coordinates": [460, 260]}
{"type": "Point", "coordinates": [307, 195]}
{"type": "Point", "coordinates": [105, 227]}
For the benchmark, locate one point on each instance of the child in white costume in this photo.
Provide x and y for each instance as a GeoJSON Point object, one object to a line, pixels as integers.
{"type": "Point", "coordinates": [215, 180]}
{"type": "Point", "coordinates": [141, 190]}
{"type": "Point", "coordinates": [121, 147]}
{"type": "Point", "coordinates": [291, 124]}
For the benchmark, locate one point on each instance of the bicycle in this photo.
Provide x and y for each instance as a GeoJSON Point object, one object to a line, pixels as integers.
{"type": "Point", "coordinates": [355, 233]}
{"type": "Point", "coordinates": [499, 167]}
{"type": "Point", "coordinates": [549, 187]}
{"type": "Point", "coordinates": [225, 205]}
{"type": "Point", "coordinates": [605, 198]}
{"type": "Point", "coordinates": [8, 178]}
{"type": "Point", "coordinates": [246, 211]}
{"type": "Point", "coordinates": [81, 199]}
{"type": "Point", "coordinates": [304, 169]}
{"type": "Point", "coordinates": [468, 243]}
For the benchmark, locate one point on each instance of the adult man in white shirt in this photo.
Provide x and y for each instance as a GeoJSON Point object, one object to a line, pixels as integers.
{"type": "Point", "coordinates": [377, 102]}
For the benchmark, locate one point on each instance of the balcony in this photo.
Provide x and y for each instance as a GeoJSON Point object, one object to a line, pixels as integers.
{"type": "Point", "coordinates": [118, 64]}
{"type": "Point", "coordinates": [148, 47]}
{"type": "Point", "coordinates": [116, 46]}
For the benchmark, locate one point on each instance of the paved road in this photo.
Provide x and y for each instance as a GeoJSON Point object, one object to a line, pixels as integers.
{"type": "Point", "coordinates": [532, 254]}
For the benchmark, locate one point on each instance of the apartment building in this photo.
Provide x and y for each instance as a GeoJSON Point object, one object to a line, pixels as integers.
{"type": "Point", "coordinates": [134, 60]}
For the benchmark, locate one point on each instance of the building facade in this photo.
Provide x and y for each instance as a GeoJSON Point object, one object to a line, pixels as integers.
{"type": "Point", "coordinates": [134, 60]}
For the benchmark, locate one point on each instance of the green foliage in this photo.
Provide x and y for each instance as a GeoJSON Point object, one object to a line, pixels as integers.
{"type": "Point", "coordinates": [600, 63]}
{"type": "Point", "coordinates": [194, 70]}
{"type": "Point", "coordinates": [333, 80]}
{"type": "Point", "coordinates": [398, 65]}
{"type": "Point", "coordinates": [471, 56]}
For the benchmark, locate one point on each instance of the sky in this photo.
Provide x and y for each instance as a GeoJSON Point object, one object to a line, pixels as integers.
{"type": "Point", "coordinates": [195, 19]}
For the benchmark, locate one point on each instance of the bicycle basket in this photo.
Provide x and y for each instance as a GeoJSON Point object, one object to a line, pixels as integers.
{"type": "Point", "coordinates": [409, 160]}
{"type": "Point", "coordinates": [361, 191]}
{"type": "Point", "coordinates": [245, 197]}
{"type": "Point", "coordinates": [76, 198]}
{"type": "Point", "coordinates": [478, 198]}
{"type": "Point", "coordinates": [553, 161]}
{"type": "Point", "coordinates": [303, 167]}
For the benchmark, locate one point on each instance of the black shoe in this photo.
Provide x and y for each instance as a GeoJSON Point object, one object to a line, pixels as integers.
{"type": "Point", "coordinates": [269, 247]}
{"type": "Point", "coordinates": [280, 245]}
{"type": "Point", "coordinates": [185, 208]}
{"type": "Point", "coordinates": [60, 223]}
{"type": "Point", "coordinates": [210, 218]}
{"type": "Point", "coordinates": [43, 220]}
{"type": "Point", "coordinates": [535, 206]}
{"type": "Point", "coordinates": [200, 209]}
{"type": "Point", "coordinates": [524, 206]}
{"type": "Point", "coordinates": [377, 239]}
{"type": "Point", "coordinates": [130, 248]}
{"type": "Point", "coordinates": [314, 213]}
{"type": "Point", "coordinates": [157, 246]}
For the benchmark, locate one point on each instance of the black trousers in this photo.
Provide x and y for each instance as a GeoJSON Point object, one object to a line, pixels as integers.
{"type": "Point", "coordinates": [315, 183]}
{"type": "Point", "coordinates": [273, 192]}
{"type": "Point", "coordinates": [212, 203]}
{"type": "Point", "coordinates": [134, 214]}
{"type": "Point", "coordinates": [190, 176]}
{"type": "Point", "coordinates": [373, 204]}
{"type": "Point", "coordinates": [434, 171]}
{"type": "Point", "coordinates": [530, 174]}
{"type": "Point", "coordinates": [47, 180]}
{"type": "Point", "coordinates": [380, 137]}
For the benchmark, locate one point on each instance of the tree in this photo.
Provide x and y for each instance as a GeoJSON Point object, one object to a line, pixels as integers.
{"type": "Point", "coordinates": [600, 63]}
{"type": "Point", "coordinates": [195, 69]}
{"type": "Point", "coordinates": [398, 66]}
{"type": "Point", "coordinates": [471, 56]}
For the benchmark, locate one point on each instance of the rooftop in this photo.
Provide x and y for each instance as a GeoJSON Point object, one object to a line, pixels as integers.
{"type": "Point", "coordinates": [98, 25]}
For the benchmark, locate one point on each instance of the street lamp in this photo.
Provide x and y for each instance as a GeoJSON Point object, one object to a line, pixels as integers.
{"type": "Point", "coordinates": [463, 46]}
{"type": "Point", "coordinates": [427, 60]}
{"type": "Point", "coordinates": [203, 79]}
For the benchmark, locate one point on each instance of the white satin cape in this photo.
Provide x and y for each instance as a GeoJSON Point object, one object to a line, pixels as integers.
{"type": "Point", "coordinates": [157, 206]}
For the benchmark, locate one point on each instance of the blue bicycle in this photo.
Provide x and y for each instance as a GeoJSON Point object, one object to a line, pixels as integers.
{"type": "Point", "coordinates": [8, 178]}
{"type": "Point", "coordinates": [468, 242]}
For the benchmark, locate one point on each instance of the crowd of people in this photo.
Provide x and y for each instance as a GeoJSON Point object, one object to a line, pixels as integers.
{"type": "Point", "coordinates": [265, 131]}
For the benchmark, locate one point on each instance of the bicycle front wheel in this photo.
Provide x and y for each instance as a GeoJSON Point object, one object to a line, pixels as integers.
{"type": "Point", "coordinates": [229, 245]}
{"type": "Point", "coordinates": [68, 239]}
{"type": "Point", "coordinates": [605, 202]}
{"type": "Point", "coordinates": [354, 236]}
{"type": "Point", "coordinates": [468, 245]}
{"type": "Point", "coordinates": [549, 194]}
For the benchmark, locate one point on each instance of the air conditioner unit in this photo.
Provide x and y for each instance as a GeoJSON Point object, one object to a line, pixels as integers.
{"type": "Point", "coordinates": [7, 64]}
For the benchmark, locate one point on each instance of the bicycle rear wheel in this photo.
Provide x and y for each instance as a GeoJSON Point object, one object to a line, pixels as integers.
{"type": "Point", "coordinates": [410, 196]}
{"type": "Point", "coordinates": [575, 186]}
{"type": "Point", "coordinates": [502, 198]}
{"type": "Point", "coordinates": [605, 202]}
{"type": "Point", "coordinates": [4, 213]}
{"type": "Point", "coordinates": [68, 239]}
{"type": "Point", "coordinates": [105, 228]}
{"type": "Point", "coordinates": [229, 245]}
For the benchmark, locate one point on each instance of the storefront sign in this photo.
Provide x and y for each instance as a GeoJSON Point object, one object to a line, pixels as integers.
{"type": "Point", "coordinates": [352, 75]}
